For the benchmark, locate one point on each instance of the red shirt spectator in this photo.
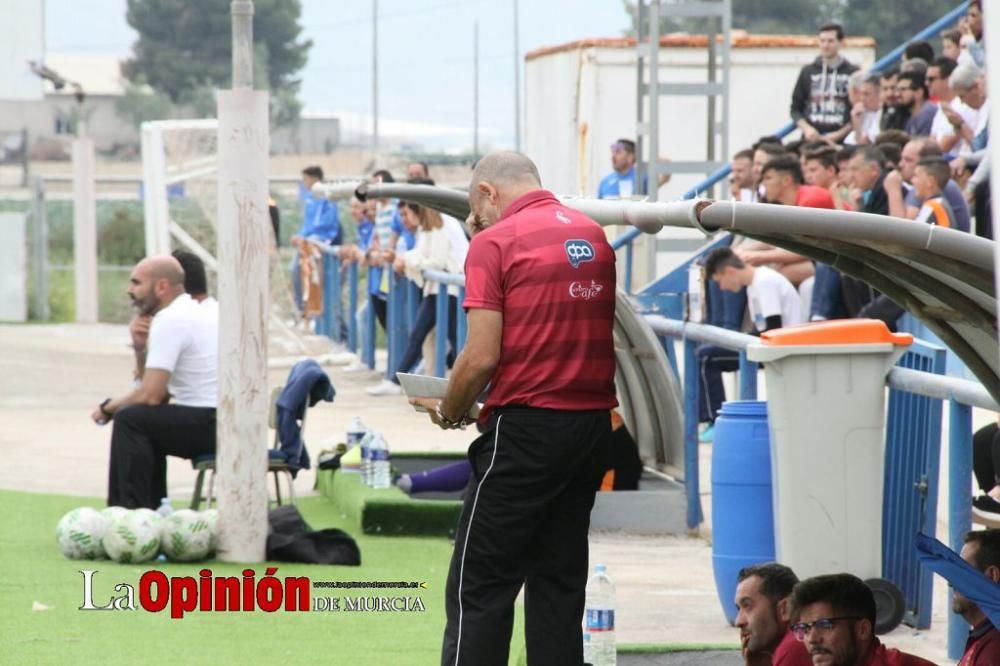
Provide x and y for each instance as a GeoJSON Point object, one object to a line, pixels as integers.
{"type": "Point", "coordinates": [811, 196]}
{"type": "Point", "coordinates": [983, 646]}
{"type": "Point", "coordinates": [880, 655]}
{"type": "Point", "coordinates": [791, 652]}
{"type": "Point", "coordinates": [543, 265]}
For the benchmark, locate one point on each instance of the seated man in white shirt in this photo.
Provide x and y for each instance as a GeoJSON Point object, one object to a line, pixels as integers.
{"type": "Point", "coordinates": [172, 411]}
{"type": "Point", "coordinates": [773, 303]}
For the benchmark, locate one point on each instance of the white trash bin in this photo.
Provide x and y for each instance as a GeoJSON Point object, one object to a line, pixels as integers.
{"type": "Point", "coordinates": [826, 409]}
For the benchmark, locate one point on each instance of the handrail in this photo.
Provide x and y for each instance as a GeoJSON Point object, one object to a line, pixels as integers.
{"type": "Point", "coordinates": [442, 277]}
{"type": "Point", "coordinates": [888, 59]}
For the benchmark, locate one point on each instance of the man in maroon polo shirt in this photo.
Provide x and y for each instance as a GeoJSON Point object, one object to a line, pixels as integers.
{"type": "Point", "coordinates": [981, 550]}
{"type": "Point", "coordinates": [763, 613]}
{"type": "Point", "coordinates": [540, 296]}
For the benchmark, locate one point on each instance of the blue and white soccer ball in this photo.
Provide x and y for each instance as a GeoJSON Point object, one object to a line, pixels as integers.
{"type": "Point", "coordinates": [186, 536]}
{"type": "Point", "coordinates": [80, 533]}
{"type": "Point", "coordinates": [134, 536]}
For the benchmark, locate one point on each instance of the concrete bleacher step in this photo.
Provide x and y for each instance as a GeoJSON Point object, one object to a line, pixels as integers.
{"type": "Point", "coordinates": [658, 507]}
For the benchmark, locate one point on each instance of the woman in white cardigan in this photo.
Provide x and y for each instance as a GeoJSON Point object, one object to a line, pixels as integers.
{"type": "Point", "coordinates": [441, 246]}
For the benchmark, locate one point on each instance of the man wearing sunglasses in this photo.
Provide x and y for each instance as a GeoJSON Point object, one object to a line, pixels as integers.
{"type": "Point", "coordinates": [834, 616]}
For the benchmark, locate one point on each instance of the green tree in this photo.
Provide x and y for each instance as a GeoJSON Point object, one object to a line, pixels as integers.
{"type": "Point", "coordinates": [184, 46]}
{"type": "Point", "coordinates": [141, 103]}
{"type": "Point", "coordinates": [891, 22]}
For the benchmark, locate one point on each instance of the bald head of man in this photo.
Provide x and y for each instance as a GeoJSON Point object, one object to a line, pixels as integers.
{"type": "Point", "coordinates": [498, 179]}
{"type": "Point", "coordinates": [155, 283]}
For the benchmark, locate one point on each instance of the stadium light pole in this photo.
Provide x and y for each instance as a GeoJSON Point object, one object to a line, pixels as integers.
{"type": "Point", "coordinates": [374, 79]}
{"type": "Point", "coordinates": [517, 82]}
{"type": "Point", "coordinates": [243, 244]}
{"type": "Point", "coordinates": [475, 90]}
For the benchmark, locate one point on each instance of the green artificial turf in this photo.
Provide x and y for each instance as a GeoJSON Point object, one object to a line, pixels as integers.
{"type": "Point", "coordinates": [35, 571]}
{"type": "Point", "coordinates": [387, 511]}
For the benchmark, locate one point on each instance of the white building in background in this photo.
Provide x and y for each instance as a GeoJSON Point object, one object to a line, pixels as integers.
{"type": "Point", "coordinates": [581, 96]}
{"type": "Point", "coordinates": [51, 120]}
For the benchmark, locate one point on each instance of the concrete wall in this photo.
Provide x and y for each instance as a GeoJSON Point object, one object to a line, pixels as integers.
{"type": "Point", "coordinates": [13, 267]}
{"type": "Point", "coordinates": [40, 118]}
{"type": "Point", "coordinates": [579, 100]}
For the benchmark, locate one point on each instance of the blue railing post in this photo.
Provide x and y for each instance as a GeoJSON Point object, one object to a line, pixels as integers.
{"type": "Point", "coordinates": [325, 322]}
{"type": "Point", "coordinates": [629, 256]}
{"type": "Point", "coordinates": [368, 353]}
{"type": "Point", "coordinates": [336, 289]}
{"type": "Point", "coordinates": [394, 315]}
{"type": "Point", "coordinates": [400, 330]}
{"type": "Point", "coordinates": [413, 296]}
{"type": "Point", "coordinates": [441, 330]}
{"type": "Point", "coordinates": [959, 504]}
{"type": "Point", "coordinates": [748, 378]}
{"type": "Point", "coordinates": [352, 307]}
{"type": "Point", "coordinates": [462, 323]}
{"type": "Point", "coordinates": [691, 466]}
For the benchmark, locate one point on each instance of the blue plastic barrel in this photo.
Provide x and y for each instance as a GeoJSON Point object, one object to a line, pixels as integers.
{"type": "Point", "coordinates": [742, 513]}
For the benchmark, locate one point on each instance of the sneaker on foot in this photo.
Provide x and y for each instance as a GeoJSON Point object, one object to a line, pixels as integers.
{"type": "Point", "coordinates": [986, 509]}
{"type": "Point", "coordinates": [357, 366]}
{"type": "Point", "coordinates": [707, 434]}
{"type": "Point", "coordinates": [385, 387]}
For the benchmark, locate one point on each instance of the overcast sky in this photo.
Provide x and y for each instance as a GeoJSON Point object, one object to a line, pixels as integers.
{"type": "Point", "coordinates": [425, 53]}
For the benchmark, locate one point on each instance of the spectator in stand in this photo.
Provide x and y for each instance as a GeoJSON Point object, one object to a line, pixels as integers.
{"type": "Point", "coordinates": [620, 183]}
{"type": "Point", "coordinates": [441, 246]}
{"type": "Point", "coordinates": [844, 156]}
{"type": "Point", "coordinates": [834, 616]}
{"type": "Point", "coordinates": [783, 183]}
{"type": "Point", "coordinates": [914, 66]}
{"type": "Point", "coordinates": [891, 143]}
{"type": "Point", "coordinates": [930, 178]}
{"type": "Point", "coordinates": [417, 170]}
{"type": "Point", "coordinates": [894, 117]}
{"type": "Point", "coordinates": [981, 550]}
{"type": "Point", "coordinates": [913, 94]}
{"type": "Point", "coordinates": [741, 181]}
{"type": "Point", "coordinates": [951, 44]}
{"type": "Point", "coordinates": [820, 106]}
{"type": "Point", "coordinates": [866, 115]}
{"type": "Point", "coordinates": [972, 35]}
{"type": "Point", "coordinates": [868, 174]}
{"type": "Point", "coordinates": [969, 84]}
{"type": "Point", "coordinates": [942, 130]}
{"type": "Point", "coordinates": [922, 50]}
{"type": "Point", "coordinates": [361, 254]}
{"type": "Point", "coordinates": [763, 153]}
{"type": "Point", "coordinates": [986, 467]}
{"type": "Point", "coordinates": [320, 224]}
{"type": "Point", "coordinates": [904, 201]}
{"type": "Point", "coordinates": [772, 301]}
{"type": "Point", "coordinates": [822, 170]}
{"type": "Point", "coordinates": [762, 602]}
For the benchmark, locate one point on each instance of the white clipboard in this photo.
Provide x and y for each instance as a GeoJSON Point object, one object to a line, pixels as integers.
{"type": "Point", "coordinates": [426, 386]}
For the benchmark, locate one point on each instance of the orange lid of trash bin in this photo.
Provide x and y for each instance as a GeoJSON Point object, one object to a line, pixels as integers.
{"type": "Point", "coordinates": [836, 332]}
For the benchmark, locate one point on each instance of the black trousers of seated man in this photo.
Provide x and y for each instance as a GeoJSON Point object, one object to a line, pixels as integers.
{"type": "Point", "coordinates": [142, 437]}
{"type": "Point", "coordinates": [525, 521]}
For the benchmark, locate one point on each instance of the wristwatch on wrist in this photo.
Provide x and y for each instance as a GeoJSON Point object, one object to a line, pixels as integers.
{"type": "Point", "coordinates": [103, 410]}
{"type": "Point", "coordinates": [448, 423]}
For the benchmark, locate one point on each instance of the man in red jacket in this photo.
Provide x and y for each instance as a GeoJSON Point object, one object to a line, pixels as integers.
{"type": "Point", "coordinates": [981, 550]}
{"type": "Point", "coordinates": [834, 616]}
{"type": "Point", "coordinates": [762, 603]}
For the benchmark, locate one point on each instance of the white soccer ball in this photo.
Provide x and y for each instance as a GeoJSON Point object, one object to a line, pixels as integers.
{"type": "Point", "coordinates": [113, 512]}
{"type": "Point", "coordinates": [186, 536]}
{"type": "Point", "coordinates": [80, 532]}
{"type": "Point", "coordinates": [133, 536]}
{"type": "Point", "coordinates": [212, 517]}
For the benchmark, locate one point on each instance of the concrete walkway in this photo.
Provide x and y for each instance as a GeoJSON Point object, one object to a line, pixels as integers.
{"type": "Point", "coordinates": [52, 377]}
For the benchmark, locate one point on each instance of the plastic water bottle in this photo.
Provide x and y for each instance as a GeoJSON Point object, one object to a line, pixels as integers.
{"type": "Point", "coordinates": [355, 432]}
{"type": "Point", "coordinates": [599, 620]}
{"type": "Point", "coordinates": [366, 457]}
{"type": "Point", "coordinates": [165, 508]}
{"type": "Point", "coordinates": [381, 475]}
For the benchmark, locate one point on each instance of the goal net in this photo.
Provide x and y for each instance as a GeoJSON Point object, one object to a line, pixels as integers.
{"type": "Point", "coordinates": [180, 196]}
